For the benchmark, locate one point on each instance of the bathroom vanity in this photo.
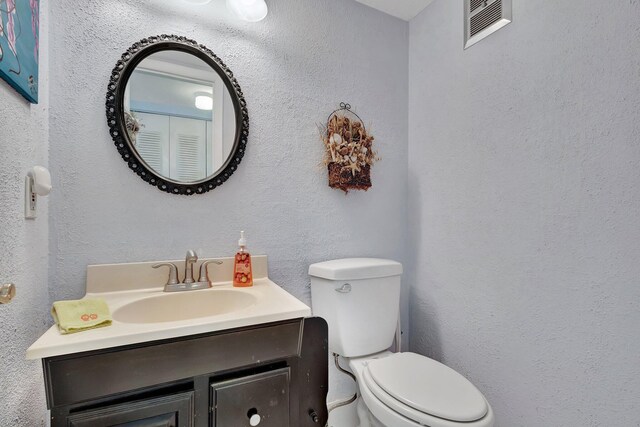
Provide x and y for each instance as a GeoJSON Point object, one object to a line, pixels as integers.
{"type": "Point", "coordinates": [264, 363]}
{"type": "Point", "coordinates": [276, 372]}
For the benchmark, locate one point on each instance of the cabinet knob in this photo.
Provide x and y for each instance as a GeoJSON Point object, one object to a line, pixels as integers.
{"type": "Point", "coordinates": [314, 416]}
{"type": "Point", "coordinates": [255, 420]}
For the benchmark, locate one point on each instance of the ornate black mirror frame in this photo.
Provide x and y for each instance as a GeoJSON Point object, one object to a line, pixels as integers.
{"type": "Point", "coordinates": [116, 121]}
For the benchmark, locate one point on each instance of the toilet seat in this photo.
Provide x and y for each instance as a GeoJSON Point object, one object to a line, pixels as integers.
{"type": "Point", "coordinates": [420, 391]}
{"type": "Point", "coordinates": [427, 386]}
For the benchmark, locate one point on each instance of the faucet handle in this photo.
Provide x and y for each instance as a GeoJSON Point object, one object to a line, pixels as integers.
{"type": "Point", "coordinates": [204, 277]}
{"type": "Point", "coordinates": [173, 272]}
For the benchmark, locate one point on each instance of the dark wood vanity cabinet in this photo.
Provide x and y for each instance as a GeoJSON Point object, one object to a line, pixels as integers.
{"type": "Point", "coordinates": [276, 373]}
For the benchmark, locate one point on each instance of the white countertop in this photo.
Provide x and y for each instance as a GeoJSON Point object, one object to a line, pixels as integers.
{"type": "Point", "coordinates": [272, 304]}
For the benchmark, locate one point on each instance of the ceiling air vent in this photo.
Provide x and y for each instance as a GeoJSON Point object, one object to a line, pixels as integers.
{"type": "Point", "coordinates": [483, 17]}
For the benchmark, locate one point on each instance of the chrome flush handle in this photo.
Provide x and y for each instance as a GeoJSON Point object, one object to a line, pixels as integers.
{"type": "Point", "coordinates": [344, 289]}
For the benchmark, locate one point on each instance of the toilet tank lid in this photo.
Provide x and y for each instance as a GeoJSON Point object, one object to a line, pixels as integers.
{"type": "Point", "coordinates": [355, 268]}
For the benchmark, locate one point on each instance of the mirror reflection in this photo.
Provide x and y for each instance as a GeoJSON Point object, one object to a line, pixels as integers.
{"type": "Point", "coordinates": [179, 116]}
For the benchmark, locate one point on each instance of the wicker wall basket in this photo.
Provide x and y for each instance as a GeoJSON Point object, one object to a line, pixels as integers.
{"type": "Point", "coordinates": [343, 178]}
{"type": "Point", "coordinates": [349, 153]}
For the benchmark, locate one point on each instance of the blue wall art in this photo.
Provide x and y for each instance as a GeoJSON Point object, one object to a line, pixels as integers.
{"type": "Point", "coordinates": [19, 29]}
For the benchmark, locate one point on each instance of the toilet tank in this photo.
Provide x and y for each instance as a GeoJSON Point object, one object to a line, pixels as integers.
{"type": "Point", "coordinates": [360, 300]}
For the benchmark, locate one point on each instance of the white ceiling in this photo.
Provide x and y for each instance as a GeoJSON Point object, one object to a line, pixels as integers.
{"type": "Point", "coordinates": [403, 9]}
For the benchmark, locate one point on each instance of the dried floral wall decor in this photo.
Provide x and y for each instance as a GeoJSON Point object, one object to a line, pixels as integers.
{"type": "Point", "coordinates": [349, 154]}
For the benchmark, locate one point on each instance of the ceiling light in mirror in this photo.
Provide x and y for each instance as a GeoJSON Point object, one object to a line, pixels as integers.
{"type": "Point", "coordinates": [248, 10]}
{"type": "Point", "coordinates": [204, 101]}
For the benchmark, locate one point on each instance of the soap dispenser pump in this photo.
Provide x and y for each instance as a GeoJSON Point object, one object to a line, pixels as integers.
{"type": "Point", "coordinates": [242, 274]}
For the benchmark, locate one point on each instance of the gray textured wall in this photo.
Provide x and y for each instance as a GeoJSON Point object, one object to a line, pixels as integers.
{"type": "Point", "coordinates": [23, 248]}
{"type": "Point", "coordinates": [294, 68]}
{"type": "Point", "coordinates": [524, 207]}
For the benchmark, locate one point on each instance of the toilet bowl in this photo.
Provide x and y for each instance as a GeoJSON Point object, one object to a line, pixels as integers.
{"type": "Point", "coordinates": [359, 298]}
{"type": "Point", "coordinates": [410, 390]}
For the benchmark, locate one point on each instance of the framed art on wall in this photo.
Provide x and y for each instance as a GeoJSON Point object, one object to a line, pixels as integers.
{"type": "Point", "coordinates": [19, 32]}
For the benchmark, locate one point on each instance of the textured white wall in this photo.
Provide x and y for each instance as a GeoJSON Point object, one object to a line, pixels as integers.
{"type": "Point", "coordinates": [523, 196]}
{"type": "Point", "coordinates": [524, 207]}
{"type": "Point", "coordinates": [24, 248]}
{"type": "Point", "coordinates": [294, 68]}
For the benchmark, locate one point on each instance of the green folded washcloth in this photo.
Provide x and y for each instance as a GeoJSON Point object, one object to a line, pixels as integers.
{"type": "Point", "coordinates": [80, 315]}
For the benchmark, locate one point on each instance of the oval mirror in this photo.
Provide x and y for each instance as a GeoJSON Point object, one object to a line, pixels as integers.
{"type": "Point", "coordinates": [177, 115]}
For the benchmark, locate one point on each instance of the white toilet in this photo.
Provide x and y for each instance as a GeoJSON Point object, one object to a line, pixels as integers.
{"type": "Point", "coordinates": [359, 298]}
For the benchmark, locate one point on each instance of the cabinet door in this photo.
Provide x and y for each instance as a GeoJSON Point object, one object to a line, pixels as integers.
{"type": "Point", "coordinates": [166, 411]}
{"type": "Point", "coordinates": [265, 397]}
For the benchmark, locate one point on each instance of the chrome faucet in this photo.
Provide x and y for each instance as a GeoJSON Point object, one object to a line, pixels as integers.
{"type": "Point", "coordinates": [189, 260]}
{"type": "Point", "coordinates": [189, 284]}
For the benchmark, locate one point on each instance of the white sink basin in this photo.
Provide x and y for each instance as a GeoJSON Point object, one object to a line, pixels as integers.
{"type": "Point", "coordinates": [142, 312]}
{"type": "Point", "coordinates": [176, 306]}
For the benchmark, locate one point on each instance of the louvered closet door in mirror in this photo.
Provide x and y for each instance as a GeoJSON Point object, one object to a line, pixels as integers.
{"type": "Point", "coordinates": [188, 145]}
{"type": "Point", "coordinates": [175, 147]}
{"type": "Point", "coordinates": [152, 142]}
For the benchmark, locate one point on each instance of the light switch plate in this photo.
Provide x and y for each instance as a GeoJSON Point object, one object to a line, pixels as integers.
{"type": "Point", "coordinates": [30, 199]}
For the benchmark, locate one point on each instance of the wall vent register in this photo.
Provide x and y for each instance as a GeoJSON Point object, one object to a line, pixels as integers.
{"type": "Point", "coordinates": [484, 17]}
